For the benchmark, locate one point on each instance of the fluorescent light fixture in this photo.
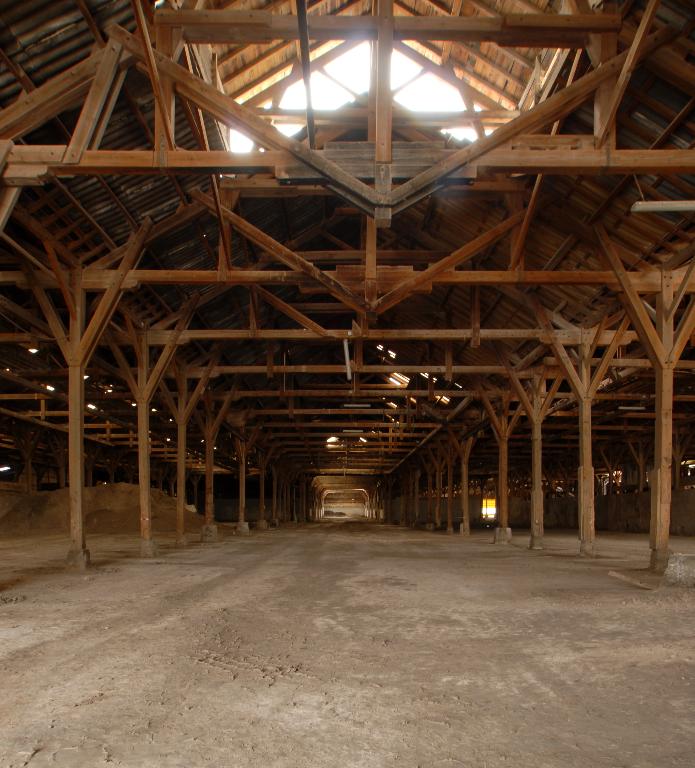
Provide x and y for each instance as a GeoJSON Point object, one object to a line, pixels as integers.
{"type": "Point", "coordinates": [632, 408]}
{"type": "Point", "coordinates": [363, 439]}
{"type": "Point", "coordinates": [663, 206]}
{"type": "Point", "coordinates": [357, 405]}
{"type": "Point", "coordinates": [33, 350]}
{"type": "Point", "coordinates": [346, 352]}
{"type": "Point", "coordinates": [91, 406]}
{"type": "Point", "coordinates": [50, 388]}
{"type": "Point", "coordinates": [332, 439]}
{"type": "Point", "coordinates": [6, 468]}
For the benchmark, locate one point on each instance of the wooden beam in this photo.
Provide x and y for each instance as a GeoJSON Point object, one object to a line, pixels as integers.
{"type": "Point", "coordinates": [514, 30]}
{"type": "Point", "coordinates": [157, 89]}
{"type": "Point", "coordinates": [553, 108]}
{"type": "Point", "coordinates": [457, 257]}
{"type": "Point", "coordinates": [94, 104]}
{"type": "Point", "coordinates": [285, 255]}
{"type": "Point", "coordinates": [629, 66]}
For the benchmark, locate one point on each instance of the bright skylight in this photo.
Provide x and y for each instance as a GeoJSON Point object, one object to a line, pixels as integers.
{"type": "Point", "coordinates": [352, 69]}
{"type": "Point", "coordinates": [238, 142]}
{"type": "Point", "coordinates": [325, 94]}
{"type": "Point", "coordinates": [430, 93]}
{"type": "Point", "coordinates": [413, 89]}
{"type": "Point", "coordinates": [465, 133]}
{"type": "Point", "coordinates": [403, 70]}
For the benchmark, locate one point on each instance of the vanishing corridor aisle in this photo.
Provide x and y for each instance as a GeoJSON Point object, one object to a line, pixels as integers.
{"type": "Point", "coordinates": [343, 645]}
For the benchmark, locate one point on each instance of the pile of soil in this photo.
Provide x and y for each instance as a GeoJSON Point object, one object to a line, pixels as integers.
{"type": "Point", "coordinates": [108, 509]}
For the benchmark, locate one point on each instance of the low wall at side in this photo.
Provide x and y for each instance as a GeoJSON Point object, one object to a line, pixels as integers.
{"type": "Point", "coordinates": [628, 512]}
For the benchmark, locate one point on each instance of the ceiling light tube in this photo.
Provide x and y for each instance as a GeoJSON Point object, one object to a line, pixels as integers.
{"type": "Point", "coordinates": [662, 206]}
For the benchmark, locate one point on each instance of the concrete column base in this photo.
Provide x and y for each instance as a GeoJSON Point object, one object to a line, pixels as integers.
{"type": "Point", "coordinates": [242, 529]}
{"type": "Point", "coordinates": [429, 526]}
{"type": "Point", "coordinates": [209, 534]}
{"type": "Point", "coordinates": [450, 531]}
{"type": "Point", "coordinates": [502, 536]}
{"type": "Point", "coordinates": [181, 541]}
{"type": "Point", "coordinates": [535, 542]}
{"type": "Point", "coordinates": [262, 525]}
{"type": "Point", "coordinates": [275, 522]}
{"type": "Point", "coordinates": [587, 549]}
{"type": "Point", "coordinates": [660, 560]}
{"type": "Point", "coordinates": [78, 559]}
{"type": "Point", "coordinates": [148, 548]}
{"type": "Point", "coordinates": [464, 531]}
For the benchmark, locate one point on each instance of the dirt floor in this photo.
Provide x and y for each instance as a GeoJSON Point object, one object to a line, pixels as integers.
{"type": "Point", "coordinates": [341, 645]}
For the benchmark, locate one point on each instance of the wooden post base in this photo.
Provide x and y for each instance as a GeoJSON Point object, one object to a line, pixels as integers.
{"type": "Point", "coordinates": [502, 536]}
{"type": "Point", "coordinates": [535, 542]}
{"type": "Point", "coordinates": [587, 549]}
{"type": "Point", "coordinates": [78, 559]}
{"type": "Point", "coordinates": [148, 548]}
{"type": "Point", "coordinates": [209, 533]}
{"type": "Point", "coordinates": [658, 560]}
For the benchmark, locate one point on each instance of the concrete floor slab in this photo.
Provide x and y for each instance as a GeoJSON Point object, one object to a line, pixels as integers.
{"type": "Point", "coordinates": [347, 645]}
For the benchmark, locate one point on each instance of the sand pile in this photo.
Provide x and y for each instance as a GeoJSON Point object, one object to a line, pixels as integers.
{"type": "Point", "coordinates": [108, 509]}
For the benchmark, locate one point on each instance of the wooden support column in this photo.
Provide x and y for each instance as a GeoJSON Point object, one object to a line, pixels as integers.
{"type": "Point", "coordinates": [465, 490]}
{"type": "Point", "coordinates": [214, 417]}
{"type": "Point", "coordinates": [302, 501]}
{"type": "Point", "coordinates": [584, 385]}
{"type": "Point", "coordinates": [78, 554]}
{"type": "Point", "coordinates": [536, 404]}
{"type": "Point", "coordinates": [209, 532]}
{"type": "Point", "coordinates": [428, 517]}
{"type": "Point", "coordinates": [404, 491]}
{"type": "Point", "coordinates": [181, 410]}
{"type": "Point", "coordinates": [147, 546]}
{"type": "Point", "coordinates": [449, 492]}
{"type": "Point", "coordinates": [664, 343]}
{"type": "Point", "coordinates": [262, 468]}
{"type": "Point", "coordinates": [242, 526]}
{"type": "Point", "coordinates": [502, 427]}
{"type": "Point", "coordinates": [274, 512]}
{"type": "Point", "coordinates": [439, 469]}
{"type": "Point", "coordinates": [416, 498]}
{"type": "Point", "coordinates": [77, 344]}
{"type": "Point", "coordinates": [143, 386]}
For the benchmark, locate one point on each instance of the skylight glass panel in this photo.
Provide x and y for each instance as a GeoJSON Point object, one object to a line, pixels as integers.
{"type": "Point", "coordinates": [465, 133]}
{"type": "Point", "coordinates": [289, 129]}
{"type": "Point", "coordinates": [403, 70]}
{"type": "Point", "coordinates": [430, 93]}
{"type": "Point", "coordinates": [238, 142]}
{"type": "Point", "coordinates": [353, 68]}
{"type": "Point", "coordinates": [325, 94]}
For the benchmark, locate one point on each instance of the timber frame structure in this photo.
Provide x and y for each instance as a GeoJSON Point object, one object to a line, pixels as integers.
{"type": "Point", "coordinates": [368, 301]}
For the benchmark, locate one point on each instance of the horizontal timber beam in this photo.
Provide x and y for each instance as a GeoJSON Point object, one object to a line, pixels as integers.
{"type": "Point", "coordinates": [514, 30]}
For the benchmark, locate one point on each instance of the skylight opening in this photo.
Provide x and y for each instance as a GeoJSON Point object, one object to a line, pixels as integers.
{"type": "Point", "coordinates": [403, 70]}
{"type": "Point", "coordinates": [429, 93]}
{"type": "Point", "coordinates": [465, 133]}
{"type": "Point", "coordinates": [325, 94]}
{"type": "Point", "coordinates": [238, 142]}
{"type": "Point", "coordinates": [353, 68]}
{"type": "Point", "coordinates": [289, 129]}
